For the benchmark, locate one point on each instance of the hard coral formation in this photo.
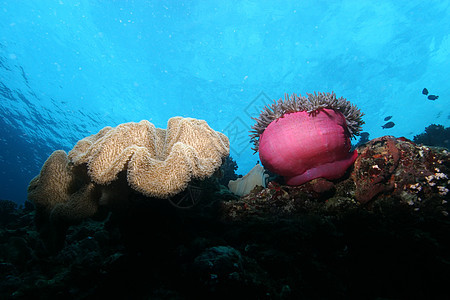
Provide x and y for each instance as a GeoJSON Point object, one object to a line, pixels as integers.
{"type": "Point", "coordinates": [155, 162]}
{"type": "Point", "coordinates": [228, 170]}
{"type": "Point", "coordinates": [398, 167]}
{"type": "Point", "coordinates": [434, 135]}
{"type": "Point", "coordinates": [320, 240]}
{"type": "Point", "coordinates": [306, 138]}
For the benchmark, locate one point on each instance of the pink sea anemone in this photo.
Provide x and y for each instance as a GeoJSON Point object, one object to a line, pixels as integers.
{"type": "Point", "coordinates": [306, 138]}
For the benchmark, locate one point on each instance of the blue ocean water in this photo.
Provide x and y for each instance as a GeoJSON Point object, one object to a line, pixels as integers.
{"type": "Point", "coordinates": [70, 68]}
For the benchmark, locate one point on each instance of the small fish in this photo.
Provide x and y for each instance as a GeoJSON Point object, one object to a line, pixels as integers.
{"type": "Point", "coordinates": [433, 97]}
{"type": "Point", "coordinates": [388, 125]}
{"type": "Point", "coordinates": [425, 91]}
{"type": "Point", "coordinates": [388, 118]}
{"type": "Point", "coordinates": [364, 135]}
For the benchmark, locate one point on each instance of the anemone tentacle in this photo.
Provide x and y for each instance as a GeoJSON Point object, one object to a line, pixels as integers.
{"type": "Point", "coordinates": [311, 104]}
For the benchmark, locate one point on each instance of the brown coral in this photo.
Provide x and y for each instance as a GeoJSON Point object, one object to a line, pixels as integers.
{"type": "Point", "coordinates": [60, 192]}
{"type": "Point", "coordinates": [159, 163]}
{"type": "Point", "coordinates": [155, 162]}
{"type": "Point", "coordinates": [51, 186]}
{"type": "Point", "coordinates": [399, 168]}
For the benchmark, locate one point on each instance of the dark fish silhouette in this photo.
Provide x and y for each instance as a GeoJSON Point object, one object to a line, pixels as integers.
{"type": "Point", "coordinates": [388, 118]}
{"type": "Point", "coordinates": [433, 97]}
{"type": "Point", "coordinates": [425, 91]}
{"type": "Point", "coordinates": [388, 125]}
{"type": "Point", "coordinates": [364, 135]}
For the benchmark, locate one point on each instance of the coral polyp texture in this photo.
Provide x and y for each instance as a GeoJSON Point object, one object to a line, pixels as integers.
{"type": "Point", "coordinates": [303, 138]}
{"type": "Point", "coordinates": [61, 192]}
{"type": "Point", "coordinates": [155, 162]}
{"type": "Point", "coordinates": [159, 163]}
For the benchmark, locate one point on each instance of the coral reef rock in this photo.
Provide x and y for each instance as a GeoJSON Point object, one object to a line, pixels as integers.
{"type": "Point", "coordinates": [434, 135]}
{"type": "Point", "coordinates": [379, 232]}
{"type": "Point", "coordinates": [389, 169]}
{"type": "Point", "coordinates": [397, 166]}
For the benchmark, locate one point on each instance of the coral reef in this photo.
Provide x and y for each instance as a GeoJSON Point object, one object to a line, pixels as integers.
{"type": "Point", "coordinates": [228, 170]}
{"type": "Point", "coordinates": [7, 211]}
{"type": "Point", "coordinates": [321, 240]}
{"type": "Point", "coordinates": [60, 192]}
{"type": "Point", "coordinates": [104, 170]}
{"type": "Point", "coordinates": [434, 135]}
{"type": "Point", "coordinates": [306, 138]}
{"type": "Point", "coordinates": [401, 168]}
{"type": "Point", "coordinates": [159, 163]}
{"type": "Point", "coordinates": [388, 169]}
{"type": "Point", "coordinates": [363, 138]}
